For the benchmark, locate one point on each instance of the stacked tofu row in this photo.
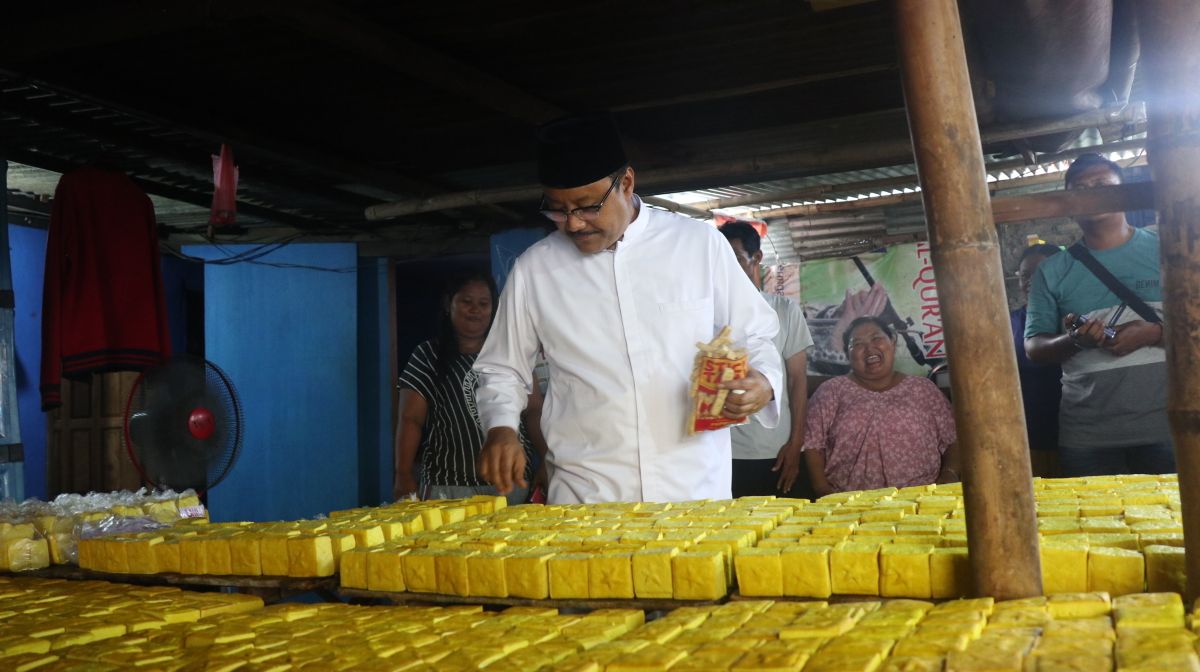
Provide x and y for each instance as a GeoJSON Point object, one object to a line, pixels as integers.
{"type": "Point", "coordinates": [98, 626]}
{"type": "Point", "coordinates": [679, 551]}
{"type": "Point", "coordinates": [302, 548]}
{"type": "Point", "coordinates": [41, 620]}
{"type": "Point", "coordinates": [1114, 534]}
{"type": "Point", "coordinates": [35, 535]}
{"type": "Point", "coordinates": [54, 627]}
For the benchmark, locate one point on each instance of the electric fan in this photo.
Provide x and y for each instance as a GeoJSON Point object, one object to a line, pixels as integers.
{"type": "Point", "coordinates": [183, 424]}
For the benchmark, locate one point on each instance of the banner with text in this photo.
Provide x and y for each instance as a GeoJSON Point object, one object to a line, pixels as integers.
{"type": "Point", "coordinates": [897, 285]}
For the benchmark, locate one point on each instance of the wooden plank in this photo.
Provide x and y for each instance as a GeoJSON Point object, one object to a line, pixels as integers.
{"type": "Point", "coordinates": [437, 599]}
{"type": "Point", "coordinates": [285, 583]}
{"type": "Point", "coordinates": [1119, 198]}
{"type": "Point", "coordinates": [832, 599]}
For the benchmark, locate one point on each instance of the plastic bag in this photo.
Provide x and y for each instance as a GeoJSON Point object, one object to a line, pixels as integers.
{"type": "Point", "coordinates": [225, 183]}
{"type": "Point", "coordinates": [716, 362]}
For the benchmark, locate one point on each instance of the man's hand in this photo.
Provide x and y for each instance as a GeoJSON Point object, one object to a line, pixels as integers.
{"type": "Point", "coordinates": [1133, 336]}
{"type": "Point", "coordinates": [502, 460]}
{"type": "Point", "coordinates": [755, 393]}
{"type": "Point", "coordinates": [403, 485]}
{"type": "Point", "coordinates": [1089, 335]}
{"type": "Point", "coordinates": [787, 463]}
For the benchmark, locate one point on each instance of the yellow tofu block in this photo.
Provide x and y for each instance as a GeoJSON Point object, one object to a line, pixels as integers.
{"type": "Point", "coordinates": [244, 555]}
{"type": "Point", "coordinates": [949, 573]}
{"type": "Point", "coordinates": [310, 555]}
{"type": "Point", "coordinates": [914, 664]}
{"type": "Point", "coordinates": [770, 660]}
{"type": "Point", "coordinates": [569, 576]}
{"type": "Point", "coordinates": [904, 571]}
{"type": "Point", "coordinates": [610, 576]}
{"type": "Point", "coordinates": [385, 570]}
{"type": "Point", "coordinates": [352, 571]}
{"type": "Point", "coordinates": [420, 572]}
{"type": "Point", "coordinates": [366, 536]}
{"type": "Point", "coordinates": [1165, 570]}
{"type": "Point", "coordinates": [217, 555]}
{"type": "Point", "coordinates": [806, 571]}
{"type": "Point", "coordinates": [273, 553]}
{"type": "Point", "coordinates": [485, 575]}
{"type": "Point", "coordinates": [87, 554]}
{"type": "Point", "coordinates": [450, 568]}
{"type": "Point", "coordinates": [431, 518]}
{"type": "Point", "coordinates": [526, 574]}
{"type": "Point", "coordinates": [698, 575]}
{"type": "Point", "coordinates": [1093, 630]}
{"type": "Point", "coordinates": [192, 556]}
{"type": "Point", "coordinates": [341, 542]}
{"type": "Point", "coordinates": [1079, 605]}
{"type": "Point", "coordinates": [166, 556]}
{"type": "Point", "coordinates": [19, 554]}
{"type": "Point", "coordinates": [112, 552]}
{"type": "Point", "coordinates": [854, 567]}
{"type": "Point", "coordinates": [1114, 540]}
{"type": "Point", "coordinates": [1116, 571]}
{"type": "Point", "coordinates": [141, 556]}
{"type": "Point", "coordinates": [1064, 567]}
{"type": "Point", "coordinates": [759, 572]}
{"type": "Point", "coordinates": [652, 573]}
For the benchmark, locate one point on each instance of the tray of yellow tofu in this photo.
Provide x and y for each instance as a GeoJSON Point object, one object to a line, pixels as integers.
{"type": "Point", "coordinates": [1119, 535]}
{"type": "Point", "coordinates": [36, 534]}
{"type": "Point", "coordinates": [264, 554]}
{"type": "Point", "coordinates": [58, 626]}
{"type": "Point", "coordinates": [648, 554]}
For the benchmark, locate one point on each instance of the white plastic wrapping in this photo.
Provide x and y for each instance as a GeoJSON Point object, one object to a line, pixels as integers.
{"type": "Point", "coordinates": [60, 524]}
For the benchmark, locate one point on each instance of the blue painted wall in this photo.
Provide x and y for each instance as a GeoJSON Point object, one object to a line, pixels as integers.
{"type": "Point", "coordinates": [507, 246]}
{"type": "Point", "coordinates": [287, 337]}
{"type": "Point", "coordinates": [183, 286]}
{"type": "Point", "coordinates": [375, 464]}
{"type": "Point", "coordinates": [27, 247]}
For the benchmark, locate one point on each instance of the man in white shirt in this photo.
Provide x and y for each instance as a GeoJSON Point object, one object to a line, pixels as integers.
{"type": "Point", "coordinates": [617, 299]}
{"type": "Point", "coordinates": [770, 461]}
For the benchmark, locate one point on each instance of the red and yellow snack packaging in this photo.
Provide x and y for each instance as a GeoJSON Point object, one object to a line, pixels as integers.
{"type": "Point", "coordinates": [716, 362]}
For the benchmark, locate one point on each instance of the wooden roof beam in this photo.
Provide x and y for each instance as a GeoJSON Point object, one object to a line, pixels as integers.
{"type": "Point", "coordinates": [325, 22]}
{"type": "Point", "coordinates": [768, 166]}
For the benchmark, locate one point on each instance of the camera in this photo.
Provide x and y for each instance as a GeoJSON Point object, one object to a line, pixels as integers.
{"type": "Point", "coordinates": [1080, 320]}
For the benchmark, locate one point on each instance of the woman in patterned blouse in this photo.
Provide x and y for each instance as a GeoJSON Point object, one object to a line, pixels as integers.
{"type": "Point", "coordinates": [876, 427]}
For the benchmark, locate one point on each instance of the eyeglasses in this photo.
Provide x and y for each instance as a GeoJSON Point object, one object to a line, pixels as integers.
{"type": "Point", "coordinates": [588, 213]}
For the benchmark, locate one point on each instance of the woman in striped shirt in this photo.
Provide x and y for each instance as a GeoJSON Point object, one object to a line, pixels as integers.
{"type": "Point", "coordinates": [437, 402]}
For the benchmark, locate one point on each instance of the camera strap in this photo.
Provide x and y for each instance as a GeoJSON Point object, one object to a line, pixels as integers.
{"type": "Point", "coordinates": [1117, 287]}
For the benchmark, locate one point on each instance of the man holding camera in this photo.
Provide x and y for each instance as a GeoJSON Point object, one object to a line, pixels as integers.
{"type": "Point", "coordinates": [1097, 311]}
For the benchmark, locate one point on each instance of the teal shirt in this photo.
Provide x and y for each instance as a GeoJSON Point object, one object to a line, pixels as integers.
{"type": "Point", "coordinates": [1108, 401]}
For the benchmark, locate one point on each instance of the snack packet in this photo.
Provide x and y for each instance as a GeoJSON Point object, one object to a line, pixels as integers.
{"type": "Point", "coordinates": [717, 361]}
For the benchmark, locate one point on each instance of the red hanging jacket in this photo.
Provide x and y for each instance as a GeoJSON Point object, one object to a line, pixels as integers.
{"type": "Point", "coordinates": [103, 307]}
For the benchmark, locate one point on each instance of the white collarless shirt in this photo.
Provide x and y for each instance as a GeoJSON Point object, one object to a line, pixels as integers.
{"type": "Point", "coordinates": [619, 330]}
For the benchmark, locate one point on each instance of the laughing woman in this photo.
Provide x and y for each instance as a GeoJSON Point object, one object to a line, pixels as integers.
{"type": "Point", "coordinates": [437, 402]}
{"type": "Point", "coordinates": [876, 427]}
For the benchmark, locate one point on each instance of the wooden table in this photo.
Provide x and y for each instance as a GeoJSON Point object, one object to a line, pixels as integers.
{"type": "Point", "coordinates": [270, 588]}
{"type": "Point", "coordinates": [443, 600]}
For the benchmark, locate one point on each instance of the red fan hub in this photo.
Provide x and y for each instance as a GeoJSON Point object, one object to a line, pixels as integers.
{"type": "Point", "coordinates": [201, 424]}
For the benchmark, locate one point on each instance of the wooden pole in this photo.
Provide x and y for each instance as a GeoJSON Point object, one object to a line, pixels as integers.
{"type": "Point", "coordinates": [997, 483]}
{"type": "Point", "coordinates": [1171, 57]}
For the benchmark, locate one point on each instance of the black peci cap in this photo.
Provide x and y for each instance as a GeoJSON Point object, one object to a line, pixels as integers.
{"type": "Point", "coordinates": [577, 151]}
